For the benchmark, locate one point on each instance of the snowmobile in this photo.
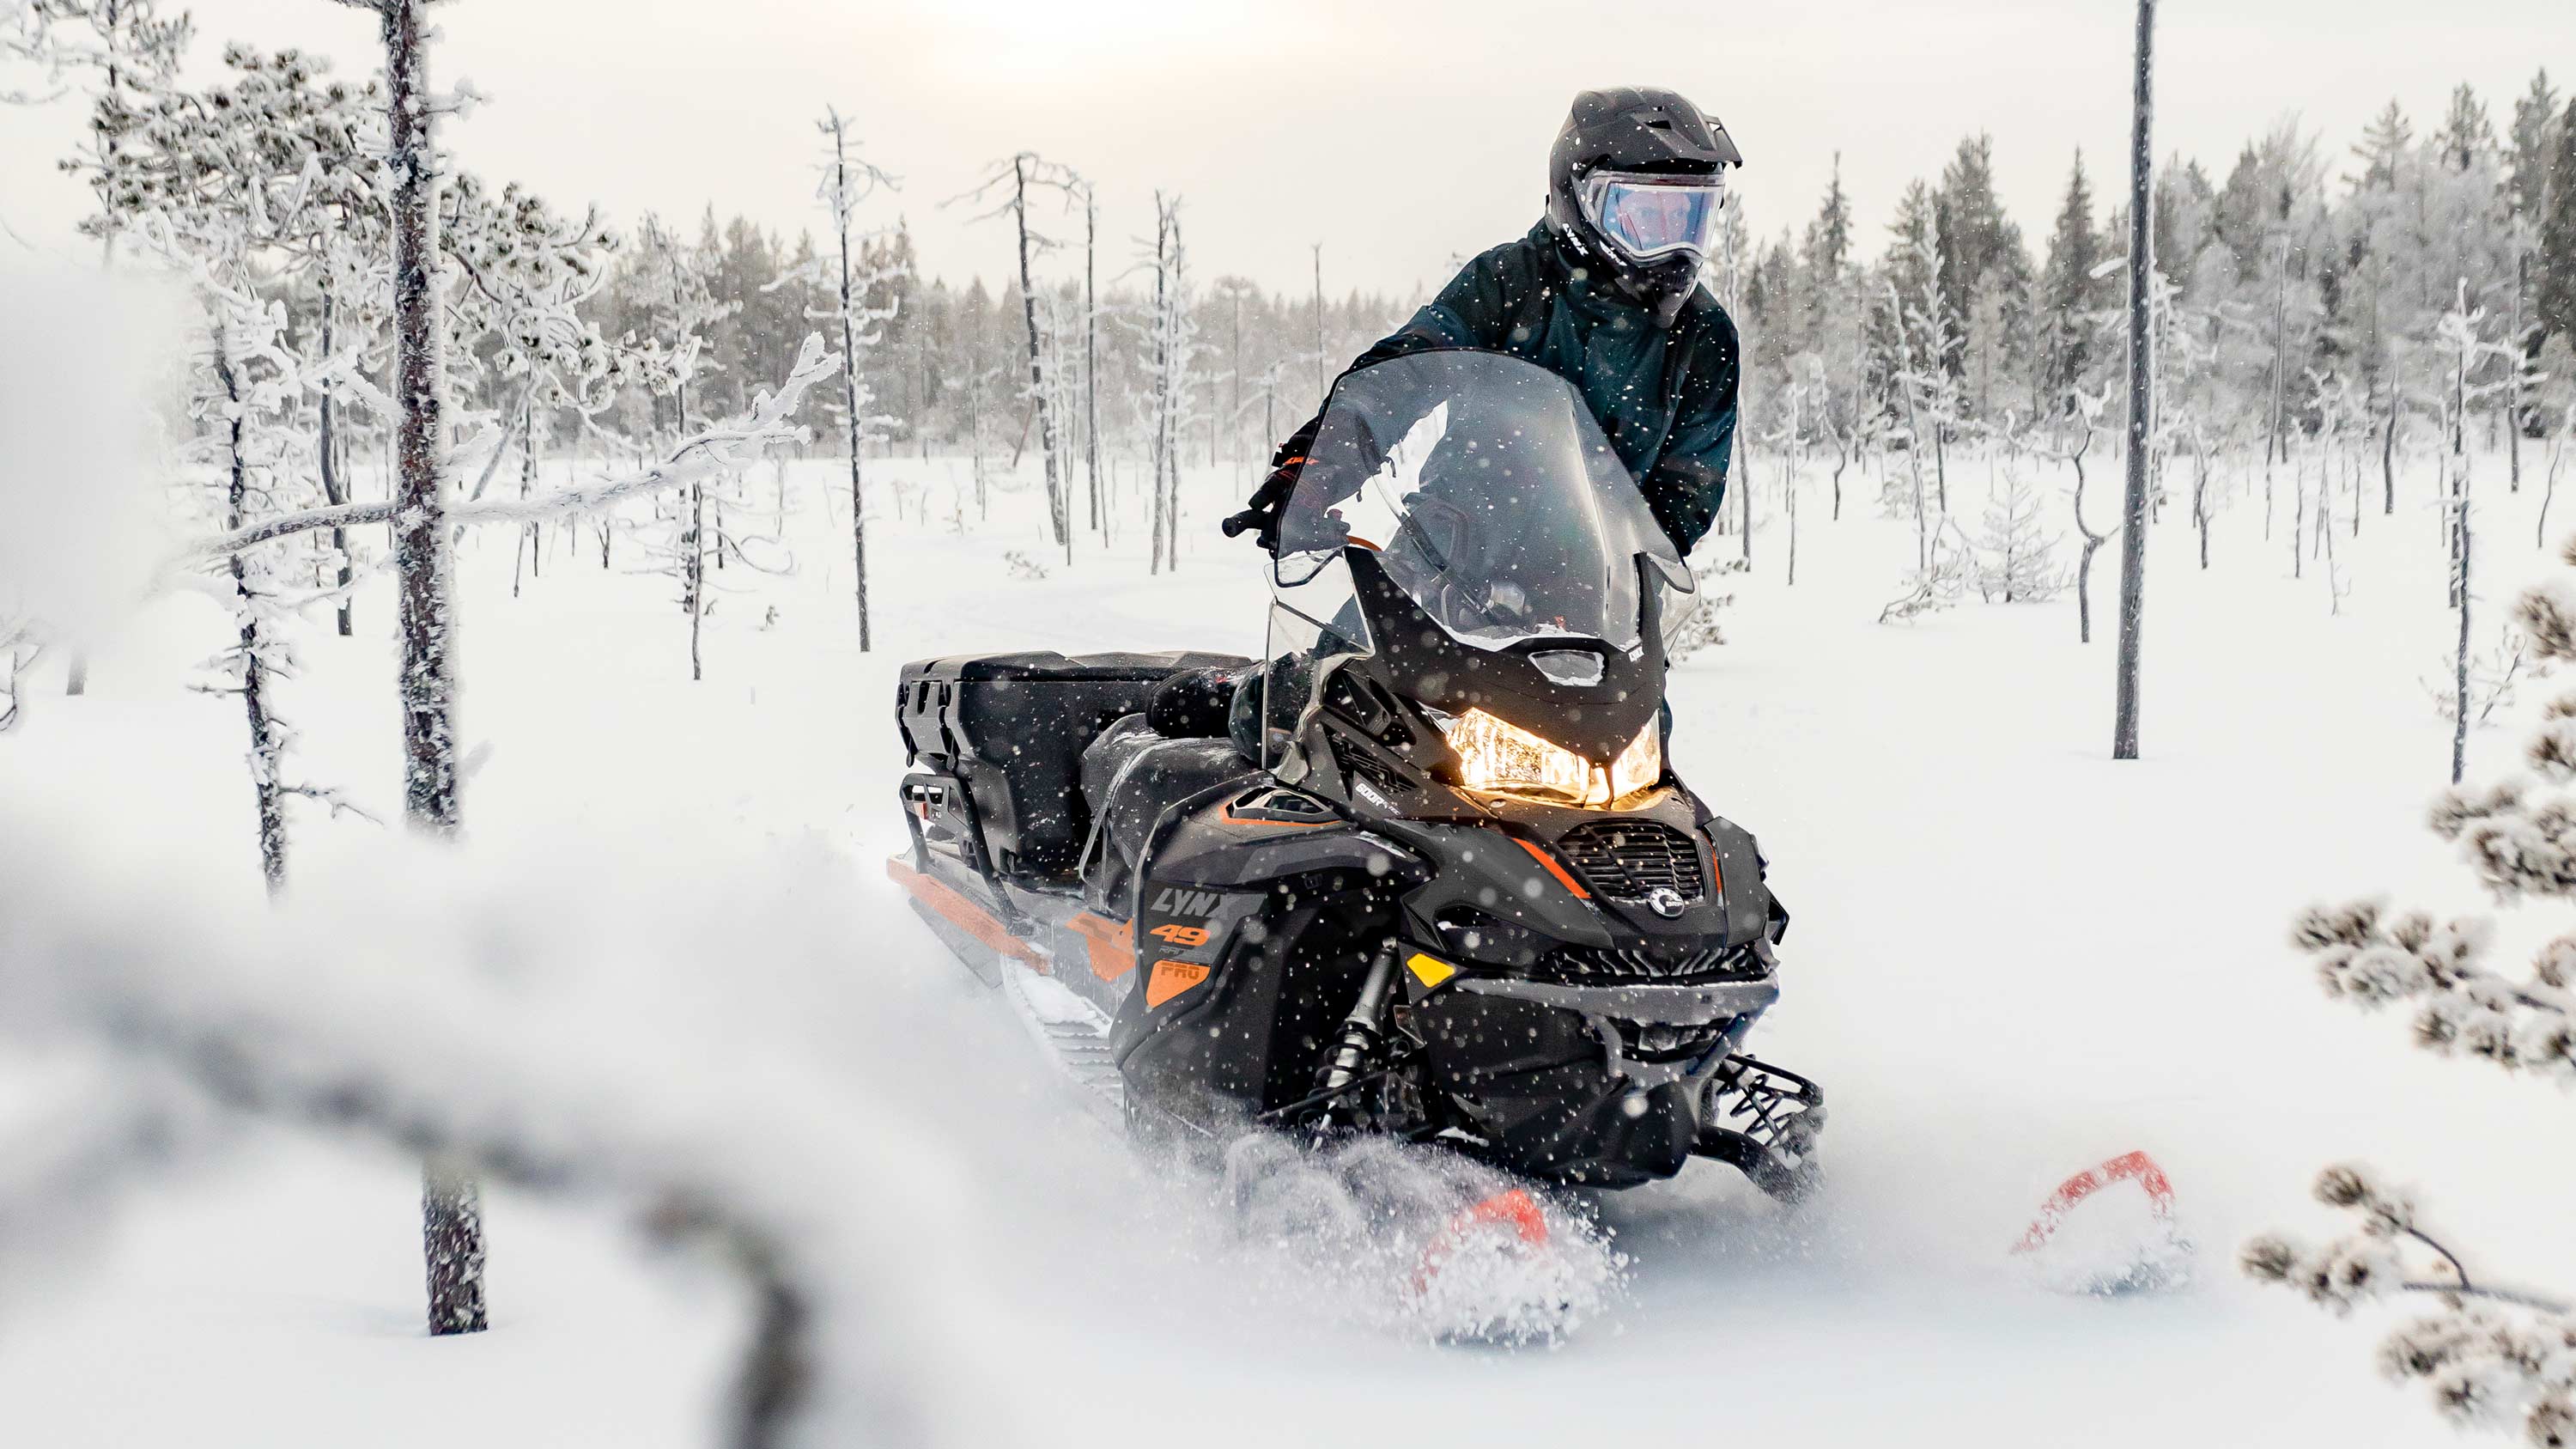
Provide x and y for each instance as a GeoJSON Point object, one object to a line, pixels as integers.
{"type": "Point", "coordinates": [1421, 869]}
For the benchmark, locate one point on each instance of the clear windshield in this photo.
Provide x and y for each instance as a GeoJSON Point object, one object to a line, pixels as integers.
{"type": "Point", "coordinates": [1490, 496]}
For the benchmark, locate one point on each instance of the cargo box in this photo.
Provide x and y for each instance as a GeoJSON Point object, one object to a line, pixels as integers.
{"type": "Point", "coordinates": [1012, 727]}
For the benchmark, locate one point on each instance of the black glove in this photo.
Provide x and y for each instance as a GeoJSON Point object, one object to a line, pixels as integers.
{"type": "Point", "coordinates": [1261, 516]}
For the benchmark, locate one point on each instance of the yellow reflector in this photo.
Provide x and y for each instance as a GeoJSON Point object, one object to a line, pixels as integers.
{"type": "Point", "coordinates": [1429, 971]}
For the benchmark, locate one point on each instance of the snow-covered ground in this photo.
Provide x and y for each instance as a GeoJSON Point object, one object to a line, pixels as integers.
{"type": "Point", "coordinates": [2011, 959]}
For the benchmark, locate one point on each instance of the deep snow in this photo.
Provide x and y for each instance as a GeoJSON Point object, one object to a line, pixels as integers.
{"type": "Point", "coordinates": [2010, 959]}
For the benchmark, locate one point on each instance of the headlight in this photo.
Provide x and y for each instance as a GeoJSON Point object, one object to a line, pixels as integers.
{"type": "Point", "coordinates": [1500, 758]}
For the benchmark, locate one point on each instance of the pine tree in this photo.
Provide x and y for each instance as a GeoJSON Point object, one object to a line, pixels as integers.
{"type": "Point", "coordinates": [1828, 242]}
{"type": "Point", "coordinates": [2556, 293]}
{"type": "Point", "coordinates": [2070, 293]}
{"type": "Point", "coordinates": [1983, 262]}
{"type": "Point", "coordinates": [2016, 561]}
{"type": "Point", "coordinates": [2532, 146]}
{"type": "Point", "coordinates": [2383, 149]}
{"type": "Point", "coordinates": [2466, 134]}
{"type": "Point", "coordinates": [2248, 207]}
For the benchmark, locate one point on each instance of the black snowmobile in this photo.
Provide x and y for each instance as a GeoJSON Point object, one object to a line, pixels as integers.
{"type": "Point", "coordinates": [1420, 871]}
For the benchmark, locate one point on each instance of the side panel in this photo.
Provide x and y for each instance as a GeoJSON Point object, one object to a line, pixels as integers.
{"type": "Point", "coordinates": [1241, 964]}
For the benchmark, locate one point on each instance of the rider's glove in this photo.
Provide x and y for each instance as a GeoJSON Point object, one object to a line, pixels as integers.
{"type": "Point", "coordinates": [1261, 517]}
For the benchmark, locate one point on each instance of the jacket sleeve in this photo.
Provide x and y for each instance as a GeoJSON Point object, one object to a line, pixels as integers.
{"type": "Point", "coordinates": [1474, 310]}
{"type": "Point", "coordinates": [1687, 486]}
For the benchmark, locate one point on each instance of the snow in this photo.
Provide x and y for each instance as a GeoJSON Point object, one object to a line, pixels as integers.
{"type": "Point", "coordinates": [2011, 959]}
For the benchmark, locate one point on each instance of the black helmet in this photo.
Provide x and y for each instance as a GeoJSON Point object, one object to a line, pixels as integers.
{"type": "Point", "coordinates": [1648, 144]}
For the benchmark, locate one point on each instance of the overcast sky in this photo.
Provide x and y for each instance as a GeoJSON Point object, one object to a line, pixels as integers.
{"type": "Point", "coordinates": [1402, 134]}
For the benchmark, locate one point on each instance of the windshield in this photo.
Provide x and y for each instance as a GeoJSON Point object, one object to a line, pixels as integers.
{"type": "Point", "coordinates": [1489, 495]}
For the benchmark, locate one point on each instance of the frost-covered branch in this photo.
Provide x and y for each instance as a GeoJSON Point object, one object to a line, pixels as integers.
{"type": "Point", "coordinates": [2495, 1357]}
{"type": "Point", "coordinates": [730, 447]}
{"type": "Point", "coordinates": [2372, 961]}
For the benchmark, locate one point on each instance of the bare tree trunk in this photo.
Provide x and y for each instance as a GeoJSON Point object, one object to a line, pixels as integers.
{"type": "Point", "coordinates": [2513, 388]}
{"type": "Point", "coordinates": [850, 379]}
{"type": "Point", "coordinates": [1320, 384]}
{"type": "Point", "coordinates": [2557, 455]}
{"type": "Point", "coordinates": [1091, 352]}
{"type": "Point", "coordinates": [254, 681]}
{"type": "Point", "coordinates": [1162, 384]}
{"type": "Point", "coordinates": [528, 536]}
{"type": "Point", "coordinates": [1842, 460]}
{"type": "Point", "coordinates": [921, 387]}
{"type": "Point", "coordinates": [2388, 454]}
{"type": "Point", "coordinates": [2455, 486]}
{"type": "Point", "coordinates": [2133, 538]}
{"type": "Point", "coordinates": [1913, 426]}
{"type": "Point", "coordinates": [335, 488]}
{"type": "Point", "coordinates": [1744, 496]}
{"type": "Point", "coordinates": [2274, 446]}
{"type": "Point", "coordinates": [452, 1220]}
{"type": "Point", "coordinates": [2092, 543]}
{"type": "Point", "coordinates": [694, 573]}
{"type": "Point", "coordinates": [1789, 485]}
{"type": "Point", "coordinates": [2460, 671]}
{"type": "Point", "coordinates": [2200, 496]}
{"type": "Point", "coordinates": [1059, 514]}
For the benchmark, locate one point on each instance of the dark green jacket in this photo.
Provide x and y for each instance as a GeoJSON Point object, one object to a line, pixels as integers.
{"type": "Point", "coordinates": [1666, 398]}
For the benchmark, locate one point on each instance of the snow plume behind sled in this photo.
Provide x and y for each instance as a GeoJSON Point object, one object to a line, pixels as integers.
{"type": "Point", "coordinates": [2108, 1232]}
{"type": "Point", "coordinates": [1418, 1241]}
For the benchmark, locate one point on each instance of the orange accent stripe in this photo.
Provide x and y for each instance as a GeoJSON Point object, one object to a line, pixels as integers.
{"type": "Point", "coordinates": [1230, 818]}
{"type": "Point", "coordinates": [1539, 854]}
{"type": "Point", "coordinates": [967, 916]}
{"type": "Point", "coordinates": [1112, 944]}
{"type": "Point", "coordinates": [1293, 462]}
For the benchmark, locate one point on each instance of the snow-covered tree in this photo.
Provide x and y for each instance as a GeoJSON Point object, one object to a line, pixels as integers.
{"type": "Point", "coordinates": [2084, 410]}
{"type": "Point", "coordinates": [1924, 342]}
{"type": "Point", "coordinates": [1166, 403]}
{"type": "Point", "coordinates": [849, 180]}
{"type": "Point", "coordinates": [248, 398]}
{"type": "Point", "coordinates": [2461, 335]}
{"type": "Point", "coordinates": [1009, 184]}
{"type": "Point", "coordinates": [672, 287]}
{"type": "Point", "coordinates": [2142, 392]}
{"type": "Point", "coordinates": [516, 325]}
{"type": "Point", "coordinates": [2015, 557]}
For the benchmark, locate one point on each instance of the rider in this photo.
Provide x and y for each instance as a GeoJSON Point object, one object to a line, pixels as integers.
{"type": "Point", "coordinates": [1604, 291]}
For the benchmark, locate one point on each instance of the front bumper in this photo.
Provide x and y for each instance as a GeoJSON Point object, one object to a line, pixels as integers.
{"type": "Point", "coordinates": [1604, 1085]}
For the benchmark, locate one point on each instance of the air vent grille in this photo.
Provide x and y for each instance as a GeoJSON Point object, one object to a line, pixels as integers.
{"type": "Point", "coordinates": [1629, 860]}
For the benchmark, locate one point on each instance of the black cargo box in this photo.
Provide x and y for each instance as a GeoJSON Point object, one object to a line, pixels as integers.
{"type": "Point", "coordinates": [1013, 728]}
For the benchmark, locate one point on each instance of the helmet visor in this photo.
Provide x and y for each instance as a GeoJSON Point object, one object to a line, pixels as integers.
{"type": "Point", "coordinates": [1655, 216]}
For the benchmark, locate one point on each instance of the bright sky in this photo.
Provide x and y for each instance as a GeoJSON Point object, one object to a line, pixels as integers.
{"type": "Point", "coordinates": [1402, 134]}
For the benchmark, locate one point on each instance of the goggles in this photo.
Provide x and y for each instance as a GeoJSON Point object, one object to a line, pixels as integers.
{"type": "Point", "coordinates": [1655, 216]}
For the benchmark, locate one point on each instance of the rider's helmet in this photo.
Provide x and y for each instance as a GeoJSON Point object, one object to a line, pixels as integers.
{"type": "Point", "coordinates": [1635, 184]}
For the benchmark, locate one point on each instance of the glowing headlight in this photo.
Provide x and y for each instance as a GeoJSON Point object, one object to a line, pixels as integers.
{"type": "Point", "coordinates": [1501, 758]}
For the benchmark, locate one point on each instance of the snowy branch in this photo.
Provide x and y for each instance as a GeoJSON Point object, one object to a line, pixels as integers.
{"type": "Point", "coordinates": [730, 447]}
{"type": "Point", "coordinates": [2493, 1357]}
